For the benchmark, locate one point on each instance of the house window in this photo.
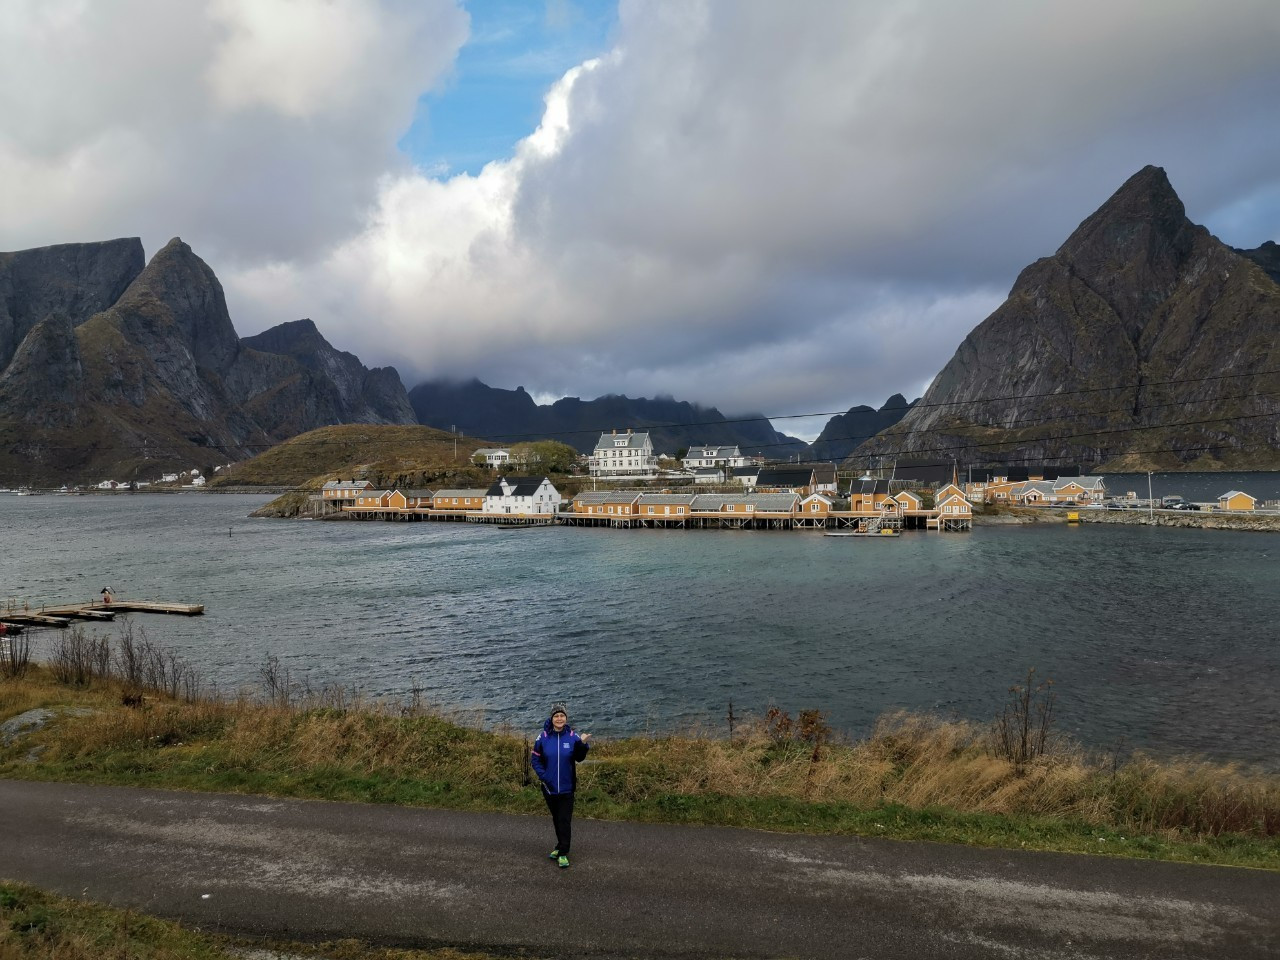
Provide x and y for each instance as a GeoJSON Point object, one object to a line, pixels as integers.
{"type": "Point", "coordinates": [651, 509]}
{"type": "Point", "coordinates": [679, 509]}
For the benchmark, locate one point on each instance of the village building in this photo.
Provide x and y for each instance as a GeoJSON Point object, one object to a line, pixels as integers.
{"type": "Point", "coordinates": [785, 480]}
{"type": "Point", "coordinates": [343, 493]}
{"type": "Point", "coordinates": [522, 495]}
{"type": "Point", "coordinates": [815, 505]}
{"type": "Point", "coordinates": [824, 479]}
{"type": "Point", "coordinates": [607, 503]}
{"type": "Point", "coordinates": [747, 476]}
{"type": "Point", "coordinates": [909, 500]}
{"type": "Point", "coordinates": [493, 456]}
{"type": "Point", "coordinates": [197, 481]}
{"type": "Point", "coordinates": [704, 457]}
{"type": "Point", "coordinates": [368, 500]}
{"type": "Point", "coordinates": [458, 499]}
{"type": "Point", "coordinates": [955, 512]}
{"type": "Point", "coordinates": [867, 495]}
{"type": "Point", "coordinates": [708, 475]}
{"type": "Point", "coordinates": [419, 499]}
{"type": "Point", "coordinates": [1237, 500]}
{"type": "Point", "coordinates": [1080, 489]}
{"type": "Point", "coordinates": [627, 455]}
{"type": "Point", "coordinates": [1032, 492]}
{"type": "Point", "coordinates": [654, 505]}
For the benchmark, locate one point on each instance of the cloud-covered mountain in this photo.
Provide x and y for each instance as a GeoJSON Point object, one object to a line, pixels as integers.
{"type": "Point", "coordinates": [509, 416]}
{"type": "Point", "coordinates": [124, 369]}
{"type": "Point", "coordinates": [1143, 341]}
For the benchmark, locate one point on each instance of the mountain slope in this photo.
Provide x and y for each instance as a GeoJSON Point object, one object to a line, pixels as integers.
{"type": "Point", "coordinates": [508, 416]}
{"type": "Point", "coordinates": [134, 369]}
{"type": "Point", "coordinates": [75, 279]}
{"type": "Point", "coordinates": [1108, 351]}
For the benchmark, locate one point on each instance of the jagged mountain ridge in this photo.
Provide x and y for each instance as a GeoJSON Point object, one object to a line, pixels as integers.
{"type": "Point", "coordinates": [157, 376]}
{"type": "Point", "coordinates": [845, 433]}
{"type": "Point", "coordinates": [509, 416]}
{"type": "Point", "coordinates": [1106, 351]}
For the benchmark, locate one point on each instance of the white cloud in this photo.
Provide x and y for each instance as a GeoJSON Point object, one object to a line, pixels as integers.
{"type": "Point", "coordinates": [255, 129]}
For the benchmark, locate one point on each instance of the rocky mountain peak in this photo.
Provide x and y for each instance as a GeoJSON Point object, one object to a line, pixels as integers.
{"type": "Point", "coordinates": [1140, 324]}
{"type": "Point", "coordinates": [897, 402]}
{"type": "Point", "coordinates": [178, 294]}
{"type": "Point", "coordinates": [291, 338]}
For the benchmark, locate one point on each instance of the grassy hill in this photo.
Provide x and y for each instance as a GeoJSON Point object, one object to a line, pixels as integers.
{"type": "Point", "coordinates": [388, 456]}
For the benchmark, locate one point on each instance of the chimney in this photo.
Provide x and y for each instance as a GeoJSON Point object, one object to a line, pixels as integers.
{"type": "Point", "coordinates": [628, 431]}
{"type": "Point", "coordinates": [615, 433]}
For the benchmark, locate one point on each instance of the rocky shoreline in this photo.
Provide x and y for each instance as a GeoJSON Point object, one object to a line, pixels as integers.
{"type": "Point", "coordinates": [1265, 523]}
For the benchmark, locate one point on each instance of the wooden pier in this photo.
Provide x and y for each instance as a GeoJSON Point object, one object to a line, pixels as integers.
{"type": "Point", "coordinates": [62, 615]}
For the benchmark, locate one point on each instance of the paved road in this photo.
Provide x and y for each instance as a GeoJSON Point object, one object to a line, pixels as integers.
{"type": "Point", "coordinates": [391, 875]}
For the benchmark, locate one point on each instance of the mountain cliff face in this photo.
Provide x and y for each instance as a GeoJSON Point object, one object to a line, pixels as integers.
{"type": "Point", "coordinates": [510, 416]}
{"type": "Point", "coordinates": [843, 434]}
{"type": "Point", "coordinates": [1110, 351]}
{"type": "Point", "coordinates": [348, 392]}
{"type": "Point", "coordinates": [73, 279]}
{"type": "Point", "coordinates": [136, 368]}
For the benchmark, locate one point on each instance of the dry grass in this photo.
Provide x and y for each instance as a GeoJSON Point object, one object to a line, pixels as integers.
{"type": "Point", "coordinates": [331, 744]}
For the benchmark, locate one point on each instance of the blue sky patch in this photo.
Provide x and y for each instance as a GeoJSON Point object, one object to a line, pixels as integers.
{"type": "Point", "coordinates": [515, 51]}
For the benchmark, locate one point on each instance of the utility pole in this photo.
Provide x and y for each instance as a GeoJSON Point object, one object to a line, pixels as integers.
{"type": "Point", "coordinates": [1151, 505]}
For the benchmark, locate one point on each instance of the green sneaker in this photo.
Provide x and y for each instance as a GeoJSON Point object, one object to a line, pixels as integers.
{"type": "Point", "coordinates": [553, 855]}
{"type": "Point", "coordinates": [562, 861]}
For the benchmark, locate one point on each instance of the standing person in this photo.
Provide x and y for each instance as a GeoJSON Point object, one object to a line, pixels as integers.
{"type": "Point", "coordinates": [556, 753]}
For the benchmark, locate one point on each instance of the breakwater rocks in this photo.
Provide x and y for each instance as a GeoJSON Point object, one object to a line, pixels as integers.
{"type": "Point", "coordinates": [1165, 518]}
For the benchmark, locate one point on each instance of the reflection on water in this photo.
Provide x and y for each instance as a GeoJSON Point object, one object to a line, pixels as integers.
{"type": "Point", "coordinates": [1163, 637]}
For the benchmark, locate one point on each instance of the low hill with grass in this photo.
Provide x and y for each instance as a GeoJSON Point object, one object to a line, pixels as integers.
{"type": "Point", "coordinates": [407, 457]}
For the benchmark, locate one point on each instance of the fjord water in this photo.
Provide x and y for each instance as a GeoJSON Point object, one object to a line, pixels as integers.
{"type": "Point", "coordinates": [1159, 639]}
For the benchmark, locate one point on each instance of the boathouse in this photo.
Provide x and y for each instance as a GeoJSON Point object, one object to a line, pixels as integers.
{"type": "Point", "coordinates": [458, 500]}
{"type": "Point", "coordinates": [522, 495]}
{"type": "Point", "coordinates": [1237, 500]}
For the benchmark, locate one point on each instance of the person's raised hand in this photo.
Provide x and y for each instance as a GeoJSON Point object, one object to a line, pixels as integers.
{"type": "Point", "coordinates": [584, 737]}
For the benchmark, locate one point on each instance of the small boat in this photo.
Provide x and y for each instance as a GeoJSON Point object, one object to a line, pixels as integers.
{"type": "Point", "coordinates": [886, 532]}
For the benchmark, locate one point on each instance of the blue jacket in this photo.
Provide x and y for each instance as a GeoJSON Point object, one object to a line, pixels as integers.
{"type": "Point", "coordinates": [554, 758]}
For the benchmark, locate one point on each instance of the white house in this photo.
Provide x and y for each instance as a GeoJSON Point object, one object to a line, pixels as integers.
{"type": "Point", "coordinates": [107, 485]}
{"type": "Point", "coordinates": [721, 456]}
{"type": "Point", "coordinates": [494, 456]}
{"type": "Point", "coordinates": [521, 495]}
{"type": "Point", "coordinates": [624, 455]}
{"type": "Point", "coordinates": [169, 478]}
{"type": "Point", "coordinates": [197, 481]}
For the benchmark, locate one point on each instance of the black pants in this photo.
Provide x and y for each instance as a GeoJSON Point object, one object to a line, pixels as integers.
{"type": "Point", "coordinates": [561, 807]}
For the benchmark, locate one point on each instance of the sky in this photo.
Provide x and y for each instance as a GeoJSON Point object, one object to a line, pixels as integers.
{"type": "Point", "coordinates": [766, 207]}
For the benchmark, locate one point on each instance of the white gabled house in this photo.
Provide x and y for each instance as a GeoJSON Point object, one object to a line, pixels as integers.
{"type": "Point", "coordinates": [624, 455]}
{"type": "Point", "coordinates": [705, 457]}
{"type": "Point", "coordinates": [493, 456]}
{"type": "Point", "coordinates": [521, 495]}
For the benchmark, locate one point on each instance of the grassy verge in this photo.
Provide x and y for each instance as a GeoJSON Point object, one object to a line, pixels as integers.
{"type": "Point", "coordinates": [35, 924]}
{"type": "Point", "coordinates": [915, 777]}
